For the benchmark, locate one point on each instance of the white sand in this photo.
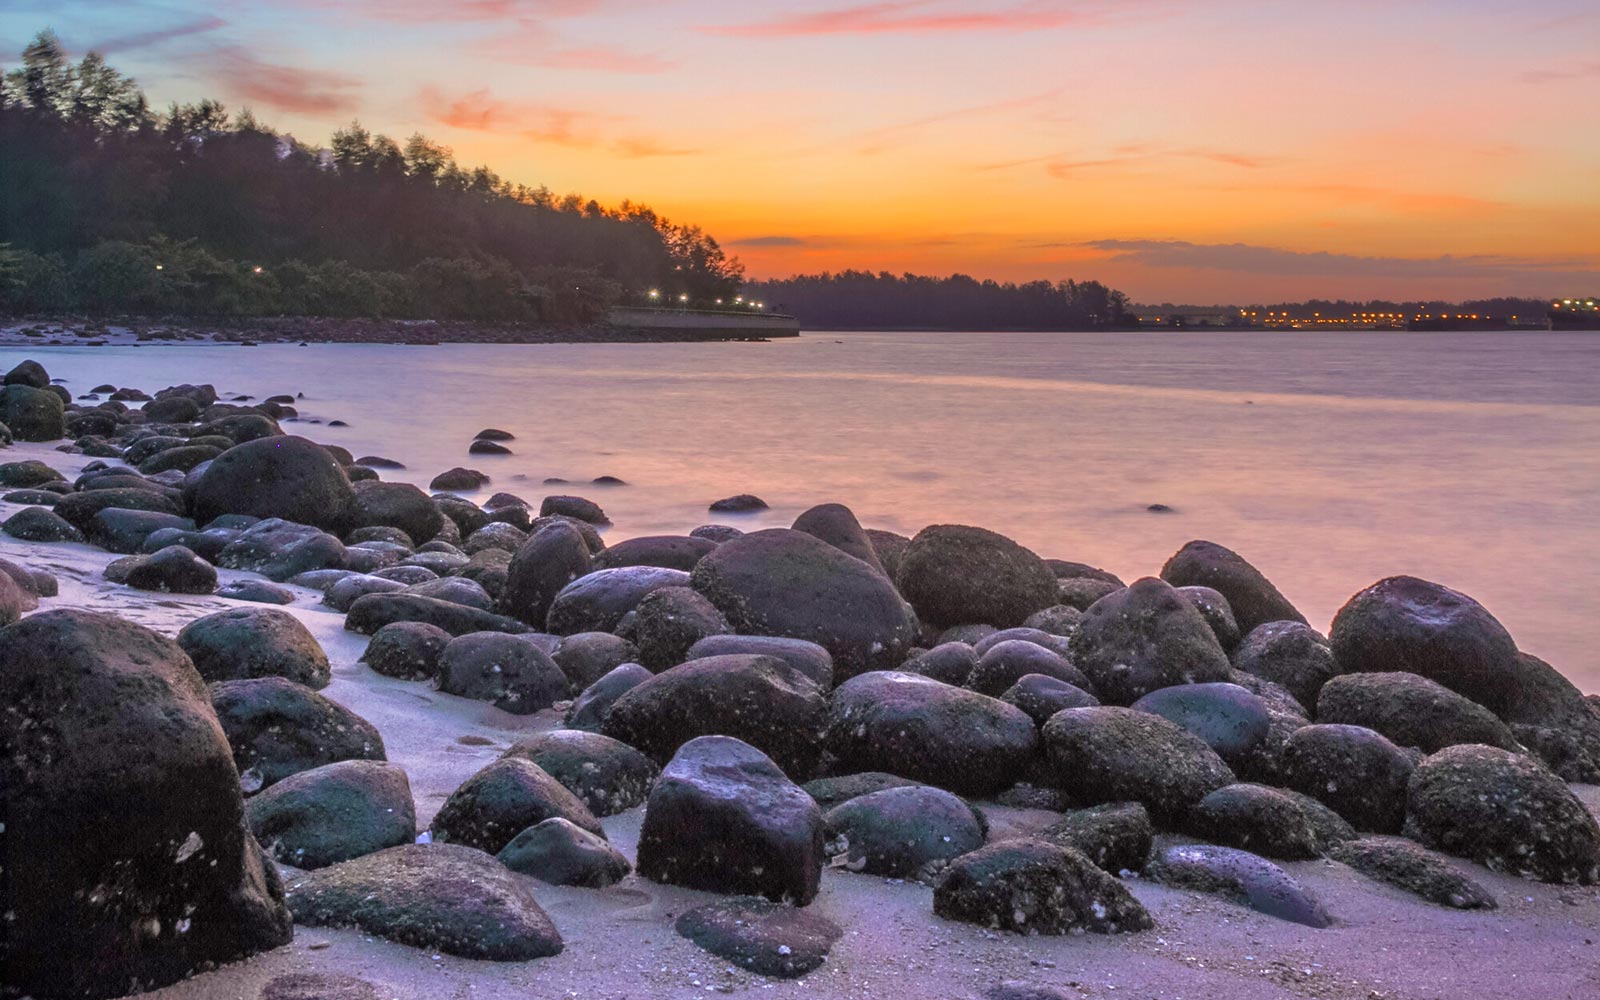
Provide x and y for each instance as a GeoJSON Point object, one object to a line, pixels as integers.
{"type": "Point", "coordinates": [1542, 944]}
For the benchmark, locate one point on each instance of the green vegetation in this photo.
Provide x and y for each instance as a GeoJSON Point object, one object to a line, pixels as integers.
{"type": "Point", "coordinates": [861, 300]}
{"type": "Point", "coordinates": [107, 207]}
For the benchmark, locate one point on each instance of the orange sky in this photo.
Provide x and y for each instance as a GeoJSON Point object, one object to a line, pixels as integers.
{"type": "Point", "coordinates": [1179, 149]}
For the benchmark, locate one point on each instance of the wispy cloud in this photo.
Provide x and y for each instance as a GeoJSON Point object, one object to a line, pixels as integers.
{"type": "Point", "coordinates": [1583, 71]}
{"type": "Point", "coordinates": [1243, 258]}
{"type": "Point", "coordinates": [769, 241]}
{"type": "Point", "coordinates": [914, 17]}
{"type": "Point", "coordinates": [285, 88]}
{"type": "Point", "coordinates": [452, 11]}
{"type": "Point", "coordinates": [481, 111]}
{"type": "Point", "coordinates": [1139, 153]}
{"type": "Point", "coordinates": [157, 36]}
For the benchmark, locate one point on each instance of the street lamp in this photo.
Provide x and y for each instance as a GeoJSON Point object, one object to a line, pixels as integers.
{"type": "Point", "coordinates": [654, 294]}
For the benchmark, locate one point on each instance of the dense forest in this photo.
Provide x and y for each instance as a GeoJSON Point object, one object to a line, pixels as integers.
{"type": "Point", "coordinates": [107, 206]}
{"type": "Point", "coordinates": [862, 300]}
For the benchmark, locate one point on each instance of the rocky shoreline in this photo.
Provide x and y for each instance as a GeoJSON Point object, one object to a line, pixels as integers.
{"type": "Point", "coordinates": [264, 708]}
{"type": "Point", "coordinates": [154, 331]}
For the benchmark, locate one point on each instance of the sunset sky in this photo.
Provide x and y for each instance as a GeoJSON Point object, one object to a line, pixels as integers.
{"type": "Point", "coordinates": [1182, 150]}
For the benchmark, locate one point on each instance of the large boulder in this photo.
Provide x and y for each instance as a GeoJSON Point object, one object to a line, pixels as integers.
{"type": "Point", "coordinates": [334, 813]}
{"type": "Point", "coordinates": [1411, 711]}
{"type": "Point", "coordinates": [1110, 754]}
{"type": "Point", "coordinates": [1354, 771]}
{"type": "Point", "coordinates": [921, 729]}
{"type": "Point", "coordinates": [1231, 720]}
{"type": "Point", "coordinates": [1503, 810]}
{"type": "Point", "coordinates": [1251, 596]}
{"type": "Point", "coordinates": [597, 602]}
{"type": "Point", "coordinates": [277, 728]}
{"type": "Point", "coordinates": [783, 582]}
{"type": "Point", "coordinates": [1145, 637]}
{"type": "Point", "coordinates": [32, 414]}
{"type": "Point", "coordinates": [1274, 822]}
{"type": "Point", "coordinates": [285, 477]}
{"type": "Point", "coordinates": [1114, 835]}
{"type": "Point", "coordinates": [913, 830]}
{"type": "Point", "coordinates": [1410, 625]}
{"type": "Point", "coordinates": [836, 524]}
{"type": "Point", "coordinates": [128, 864]}
{"type": "Point", "coordinates": [407, 650]}
{"type": "Point", "coordinates": [255, 642]}
{"type": "Point", "coordinates": [502, 800]}
{"type": "Point", "coordinates": [724, 818]}
{"type": "Point", "coordinates": [1292, 655]}
{"type": "Point", "coordinates": [173, 570]}
{"type": "Point", "coordinates": [758, 699]}
{"type": "Point", "coordinates": [607, 774]}
{"type": "Point", "coordinates": [558, 851]}
{"type": "Point", "coordinates": [958, 575]}
{"type": "Point", "coordinates": [395, 505]}
{"type": "Point", "coordinates": [30, 373]}
{"type": "Point", "coordinates": [1554, 720]}
{"type": "Point", "coordinates": [513, 674]}
{"type": "Point", "coordinates": [79, 509]}
{"type": "Point", "coordinates": [671, 620]}
{"type": "Point", "coordinates": [551, 558]}
{"type": "Point", "coordinates": [442, 897]}
{"type": "Point", "coordinates": [668, 551]}
{"type": "Point", "coordinates": [1035, 887]}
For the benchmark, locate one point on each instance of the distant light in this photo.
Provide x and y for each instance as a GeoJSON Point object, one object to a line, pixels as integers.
{"type": "Point", "coordinates": [160, 267]}
{"type": "Point", "coordinates": [739, 300]}
{"type": "Point", "coordinates": [655, 293]}
{"type": "Point", "coordinates": [683, 298]}
{"type": "Point", "coordinates": [719, 302]}
{"type": "Point", "coordinates": [256, 269]}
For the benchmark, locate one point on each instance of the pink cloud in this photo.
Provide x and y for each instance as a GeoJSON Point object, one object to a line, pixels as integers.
{"type": "Point", "coordinates": [908, 17]}
{"type": "Point", "coordinates": [285, 88]}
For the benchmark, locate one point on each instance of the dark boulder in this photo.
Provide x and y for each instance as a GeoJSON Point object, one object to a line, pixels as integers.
{"type": "Point", "coordinates": [928, 731]}
{"type": "Point", "coordinates": [1241, 877]}
{"type": "Point", "coordinates": [1554, 720]}
{"type": "Point", "coordinates": [394, 505]}
{"type": "Point", "coordinates": [1115, 835]}
{"type": "Point", "coordinates": [1267, 821]}
{"type": "Point", "coordinates": [1231, 720]}
{"type": "Point", "coordinates": [588, 656]}
{"type": "Point", "coordinates": [836, 524]}
{"type": "Point", "coordinates": [1042, 696]}
{"type": "Point", "coordinates": [515, 675]}
{"type": "Point", "coordinates": [1410, 625]}
{"type": "Point", "coordinates": [79, 509]}
{"type": "Point", "coordinates": [173, 570]}
{"type": "Point", "coordinates": [608, 775]}
{"type": "Point", "coordinates": [1292, 655]}
{"type": "Point", "coordinates": [1411, 711]}
{"type": "Point", "coordinates": [744, 503]}
{"type": "Point", "coordinates": [830, 792]}
{"type": "Point", "coordinates": [456, 590]}
{"type": "Point", "coordinates": [948, 662]}
{"type": "Point", "coordinates": [559, 852]}
{"type": "Point", "coordinates": [769, 939]}
{"type": "Point", "coordinates": [589, 709]}
{"type": "Point", "coordinates": [717, 533]}
{"type": "Point", "coordinates": [115, 777]}
{"type": "Point", "coordinates": [29, 373]}
{"type": "Point", "coordinates": [285, 477]}
{"type": "Point", "coordinates": [787, 583]}
{"type": "Point", "coordinates": [1035, 887]}
{"type": "Point", "coordinates": [1213, 607]}
{"type": "Point", "coordinates": [374, 611]}
{"type": "Point", "coordinates": [334, 813]}
{"type": "Point", "coordinates": [758, 699]}
{"type": "Point", "coordinates": [1057, 619]}
{"type": "Point", "coordinates": [1143, 638]}
{"type": "Point", "coordinates": [551, 558]}
{"type": "Point", "coordinates": [668, 622]}
{"type": "Point", "coordinates": [1005, 663]}
{"type": "Point", "coordinates": [597, 602]}
{"type": "Point", "coordinates": [277, 728]}
{"type": "Point", "coordinates": [1354, 771]}
{"type": "Point", "coordinates": [407, 650]}
{"type": "Point", "coordinates": [909, 831]}
{"type": "Point", "coordinates": [807, 657]}
{"type": "Point", "coordinates": [465, 480]}
{"type": "Point", "coordinates": [1081, 592]}
{"type": "Point", "coordinates": [279, 550]}
{"type": "Point", "coordinates": [125, 531]}
{"type": "Point", "coordinates": [243, 643]}
{"type": "Point", "coordinates": [724, 818]}
{"type": "Point", "coordinates": [349, 589]}
{"type": "Point", "coordinates": [20, 475]}
{"type": "Point", "coordinates": [256, 592]}
{"type": "Point", "coordinates": [182, 459]}
{"type": "Point", "coordinates": [32, 414]}
{"type": "Point", "coordinates": [1505, 811]}
{"type": "Point", "coordinates": [1399, 862]}
{"type": "Point", "coordinates": [955, 575]}
{"type": "Point", "coordinates": [502, 800]}
{"type": "Point", "coordinates": [1251, 596]}
{"type": "Point", "coordinates": [575, 507]}
{"type": "Point", "coordinates": [669, 551]}
{"type": "Point", "coordinates": [40, 524]}
{"type": "Point", "coordinates": [441, 897]}
{"type": "Point", "coordinates": [1110, 754]}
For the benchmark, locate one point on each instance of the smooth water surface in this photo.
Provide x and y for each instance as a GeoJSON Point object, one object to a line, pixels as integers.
{"type": "Point", "coordinates": [1328, 460]}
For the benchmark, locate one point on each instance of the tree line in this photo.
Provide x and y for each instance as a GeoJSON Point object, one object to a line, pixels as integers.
{"type": "Point", "coordinates": [109, 207]}
{"type": "Point", "coordinates": [862, 300]}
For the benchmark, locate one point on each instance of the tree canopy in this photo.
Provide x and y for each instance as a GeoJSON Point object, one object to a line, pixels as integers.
{"type": "Point", "coordinates": [108, 206]}
{"type": "Point", "coordinates": [862, 300]}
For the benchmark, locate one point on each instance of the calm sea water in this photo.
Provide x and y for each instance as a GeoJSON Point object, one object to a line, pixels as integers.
{"type": "Point", "coordinates": [1329, 461]}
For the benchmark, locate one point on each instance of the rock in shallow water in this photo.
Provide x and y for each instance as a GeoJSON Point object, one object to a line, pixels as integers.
{"type": "Point", "coordinates": [1033, 887]}
{"type": "Point", "coordinates": [769, 939]}
{"type": "Point", "coordinates": [452, 899]}
{"type": "Point", "coordinates": [724, 818]}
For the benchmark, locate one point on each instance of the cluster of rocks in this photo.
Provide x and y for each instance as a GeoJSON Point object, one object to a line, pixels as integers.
{"type": "Point", "coordinates": [780, 702]}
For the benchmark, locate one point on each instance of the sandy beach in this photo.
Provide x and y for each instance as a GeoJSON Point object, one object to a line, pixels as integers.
{"type": "Point", "coordinates": [1543, 943]}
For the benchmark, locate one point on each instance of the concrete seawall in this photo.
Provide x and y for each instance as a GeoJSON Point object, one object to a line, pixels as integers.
{"type": "Point", "coordinates": [705, 323]}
